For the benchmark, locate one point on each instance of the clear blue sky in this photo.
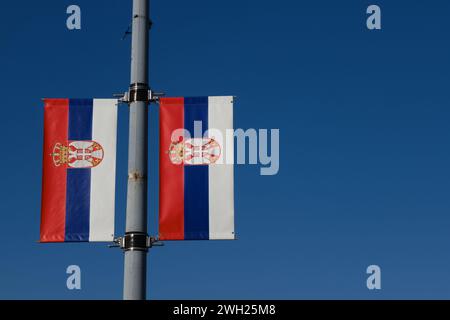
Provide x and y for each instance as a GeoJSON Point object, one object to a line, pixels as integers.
{"type": "Point", "coordinates": [365, 144]}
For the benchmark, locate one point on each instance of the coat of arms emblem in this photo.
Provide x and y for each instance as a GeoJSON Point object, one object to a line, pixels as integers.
{"type": "Point", "coordinates": [195, 151]}
{"type": "Point", "coordinates": [77, 154]}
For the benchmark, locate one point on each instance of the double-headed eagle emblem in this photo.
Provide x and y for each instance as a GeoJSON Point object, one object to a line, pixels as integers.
{"type": "Point", "coordinates": [77, 154]}
{"type": "Point", "coordinates": [195, 151]}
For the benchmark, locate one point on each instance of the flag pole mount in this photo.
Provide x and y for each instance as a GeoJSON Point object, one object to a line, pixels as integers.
{"type": "Point", "coordinates": [136, 241]}
{"type": "Point", "coordinates": [136, 238]}
{"type": "Point", "coordinates": [137, 92]}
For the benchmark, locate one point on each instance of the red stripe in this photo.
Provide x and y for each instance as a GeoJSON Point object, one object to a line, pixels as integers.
{"type": "Point", "coordinates": [171, 181]}
{"type": "Point", "coordinates": [53, 210]}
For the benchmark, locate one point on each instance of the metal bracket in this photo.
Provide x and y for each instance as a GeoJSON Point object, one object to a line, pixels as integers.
{"type": "Point", "coordinates": [139, 92]}
{"type": "Point", "coordinates": [137, 241]}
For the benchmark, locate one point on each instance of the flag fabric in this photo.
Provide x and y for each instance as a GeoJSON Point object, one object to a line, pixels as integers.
{"type": "Point", "coordinates": [196, 200]}
{"type": "Point", "coordinates": [79, 164]}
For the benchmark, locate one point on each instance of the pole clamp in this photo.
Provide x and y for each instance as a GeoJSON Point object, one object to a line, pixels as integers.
{"type": "Point", "coordinates": [138, 92]}
{"type": "Point", "coordinates": [136, 241]}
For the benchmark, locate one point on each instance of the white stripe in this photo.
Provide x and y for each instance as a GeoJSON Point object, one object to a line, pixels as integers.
{"type": "Point", "coordinates": [103, 177]}
{"type": "Point", "coordinates": [221, 185]}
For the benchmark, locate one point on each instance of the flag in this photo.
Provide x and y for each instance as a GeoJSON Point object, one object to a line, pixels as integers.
{"type": "Point", "coordinates": [196, 200]}
{"type": "Point", "coordinates": [79, 164]}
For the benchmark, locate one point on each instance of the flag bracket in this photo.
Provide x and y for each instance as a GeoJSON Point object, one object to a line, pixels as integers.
{"type": "Point", "coordinates": [136, 241]}
{"type": "Point", "coordinates": [139, 92]}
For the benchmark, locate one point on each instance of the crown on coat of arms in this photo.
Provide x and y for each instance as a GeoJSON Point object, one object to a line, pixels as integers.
{"type": "Point", "coordinates": [60, 154]}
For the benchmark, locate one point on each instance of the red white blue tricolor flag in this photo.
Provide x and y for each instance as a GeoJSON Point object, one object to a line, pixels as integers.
{"type": "Point", "coordinates": [196, 199]}
{"type": "Point", "coordinates": [79, 164]}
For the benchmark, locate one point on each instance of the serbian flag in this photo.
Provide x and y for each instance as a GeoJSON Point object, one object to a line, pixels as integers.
{"type": "Point", "coordinates": [79, 164]}
{"type": "Point", "coordinates": [196, 199]}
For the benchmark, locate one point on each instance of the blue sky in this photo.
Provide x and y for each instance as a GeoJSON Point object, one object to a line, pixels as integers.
{"type": "Point", "coordinates": [364, 144]}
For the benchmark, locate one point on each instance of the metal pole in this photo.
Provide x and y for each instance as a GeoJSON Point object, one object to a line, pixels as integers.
{"type": "Point", "coordinates": [135, 268]}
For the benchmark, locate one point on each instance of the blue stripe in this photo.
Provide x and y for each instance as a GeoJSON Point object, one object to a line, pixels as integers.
{"type": "Point", "coordinates": [78, 180]}
{"type": "Point", "coordinates": [80, 119]}
{"type": "Point", "coordinates": [78, 204]}
{"type": "Point", "coordinates": [196, 186]}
